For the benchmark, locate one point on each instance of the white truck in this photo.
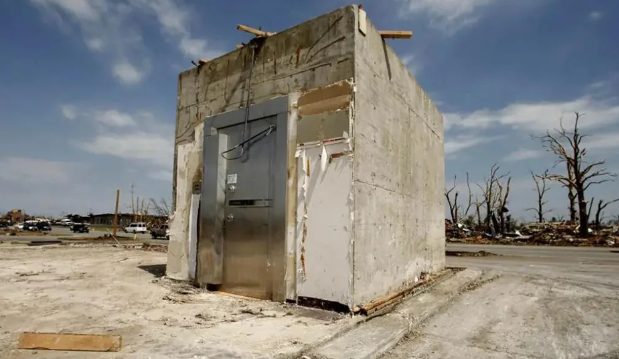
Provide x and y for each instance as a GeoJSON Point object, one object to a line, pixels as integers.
{"type": "Point", "coordinates": [136, 227]}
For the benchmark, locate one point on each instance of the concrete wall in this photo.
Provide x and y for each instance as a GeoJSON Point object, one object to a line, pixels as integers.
{"type": "Point", "coordinates": [398, 174]}
{"type": "Point", "coordinates": [311, 55]}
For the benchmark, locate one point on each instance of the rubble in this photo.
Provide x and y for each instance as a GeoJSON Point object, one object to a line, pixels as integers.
{"type": "Point", "coordinates": [543, 234]}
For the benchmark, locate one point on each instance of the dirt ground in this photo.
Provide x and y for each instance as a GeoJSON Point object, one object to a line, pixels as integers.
{"type": "Point", "coordinates": [107, 290]}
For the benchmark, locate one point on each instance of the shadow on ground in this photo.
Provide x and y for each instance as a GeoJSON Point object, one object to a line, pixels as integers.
{"type": "Point", "coordinates": [158, 270]}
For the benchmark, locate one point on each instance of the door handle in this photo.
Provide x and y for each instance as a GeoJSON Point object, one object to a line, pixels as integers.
{"type": "Point", "coordinates": [230, 218]}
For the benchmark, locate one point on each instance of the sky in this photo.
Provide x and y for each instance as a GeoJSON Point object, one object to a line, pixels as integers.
{"type": "Point", "coordinates": [88, 88]}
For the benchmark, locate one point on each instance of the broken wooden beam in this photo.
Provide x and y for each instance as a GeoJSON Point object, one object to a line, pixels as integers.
{"type": "Point", "coordinates": [256, 32]}
{"type": "Point", "coordinates": [70, 342]}
{"type": "Point", "coordinates": [396, 34]}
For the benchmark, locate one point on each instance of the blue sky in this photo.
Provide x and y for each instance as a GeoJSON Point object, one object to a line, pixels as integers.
{"type": "Point", "coordinates": [88, 87]}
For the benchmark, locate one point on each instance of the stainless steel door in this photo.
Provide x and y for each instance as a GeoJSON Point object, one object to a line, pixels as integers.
{"type": "Point", "coordinates": [247, 210]}
{"type": "Point", "coordinates": [243, 206]}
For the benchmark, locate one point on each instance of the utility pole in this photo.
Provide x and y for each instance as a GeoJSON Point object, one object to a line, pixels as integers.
{"type": "Point", "coordinates": [116, 212]}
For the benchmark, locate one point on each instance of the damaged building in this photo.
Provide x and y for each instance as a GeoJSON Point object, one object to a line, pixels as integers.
{"type": "Point", "coordinates": [309, 164]}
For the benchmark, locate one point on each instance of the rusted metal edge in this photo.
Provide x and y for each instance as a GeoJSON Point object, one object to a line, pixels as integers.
{"type": "Point", "coordinates": [396, 297]}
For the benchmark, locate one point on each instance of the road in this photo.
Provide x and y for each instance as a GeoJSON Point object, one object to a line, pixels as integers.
{"type": "Point", "coordinates": [549, 302]}
{"type": "Point", "coordinates": [64, 232]}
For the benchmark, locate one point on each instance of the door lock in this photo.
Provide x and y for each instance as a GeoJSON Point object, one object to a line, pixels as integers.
{"type": "Point", "coordinates": [231, 188]}
{"type": "Point", "coordinates": [229, 218]}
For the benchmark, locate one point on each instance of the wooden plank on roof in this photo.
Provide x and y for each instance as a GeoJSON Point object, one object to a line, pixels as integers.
{"type": "Point", "coordinates": [396, 34]}
{"type": "Point", "coordinates": [256, 32]}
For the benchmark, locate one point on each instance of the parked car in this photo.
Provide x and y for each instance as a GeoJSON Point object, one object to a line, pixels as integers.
{"type": "Point", "coordinates": [30, 226]}
{"type": "Point", "coordinates": [65, 222]}
{"type": "Point", "coordinates": [4, 224]}
{"type": "Point", "coordinates": [80, 228]}
{"type": "Point", "coordinates": [137, 227]}
{"type": "Point", "coordinates": [160, 232]}
{"type": "Point", "coordinates": [19, 226]}
{"type": "Point", "coordinates": [44, 226]}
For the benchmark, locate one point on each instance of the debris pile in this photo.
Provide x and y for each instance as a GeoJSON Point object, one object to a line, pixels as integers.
{"type": "Point", "coordinates": [543, 234]}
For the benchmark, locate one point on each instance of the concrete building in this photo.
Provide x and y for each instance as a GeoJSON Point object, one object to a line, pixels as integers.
{"type": "Point", "coordinates": [329, 187]}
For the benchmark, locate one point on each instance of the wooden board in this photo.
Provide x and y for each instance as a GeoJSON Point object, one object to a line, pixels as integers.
{"type": "Point", "coordinates": [72, 342]}
{"type": "Point", "coordinates": [396, 34]}
{"type": "Point", "coordinates": [256, 32]}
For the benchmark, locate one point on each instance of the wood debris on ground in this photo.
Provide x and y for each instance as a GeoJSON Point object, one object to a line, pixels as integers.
{"type": "Point", "coordinates": [70, 342]}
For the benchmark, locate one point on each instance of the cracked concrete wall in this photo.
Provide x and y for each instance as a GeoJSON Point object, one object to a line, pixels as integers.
{"type": "Point", "coordinates": [313, 54]}
{"type": "Point", "coordinates": [398, 174]}
{"type": "Point", "coordinates": [189, 165]}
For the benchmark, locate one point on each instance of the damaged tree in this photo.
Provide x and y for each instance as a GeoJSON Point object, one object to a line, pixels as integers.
{"type": "Point", "coordinates": [599, 213]}
{"type": "Point", "coordinates": [501, 208]}
{"type": "Point", "coordinates": [568, 148]}
{"type": "Point", "coordinates": [492, 192]}
{"type": "Point", "coordinates": [453, 202]}
{"type": "Point", "coordinates": [541, 188]}
{"type": "Point", "coordinates": [161, 207]}
{"type": "Point", "coordinates": [470, 198]}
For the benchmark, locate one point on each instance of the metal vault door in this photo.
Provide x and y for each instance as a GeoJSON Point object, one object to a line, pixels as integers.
{"type": "Point", "coordinates": [241, 247]}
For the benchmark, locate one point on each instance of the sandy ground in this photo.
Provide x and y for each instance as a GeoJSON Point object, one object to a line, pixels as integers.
{"type": "Point", "coordinates": [118, 291]}
{"type": "Point", "coordinates": [551, 303]}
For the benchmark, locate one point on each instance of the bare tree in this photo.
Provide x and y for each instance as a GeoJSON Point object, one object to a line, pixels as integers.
{"type": "Point", "coordinates": [452, 202]}
{"type": "Point", "coordinates": [583, 174]}
{"type": "Point", "coordinates": [599, 212]}
{"type": "Point", "coordinates": [470, 198]}
{"type": "Point", "coordinates": [161, 207]}
{"type": "Point", "coordinates": [502, 202]}
{"type": "Point", "coordinates": [590, 207]}
{"type": "Point", "coordinates": [489, 191]}
{"type": "Point", "coordinates": [541, 188]}
{"type": "Point", "coordinates": [478, 205]}
{"type": "Point", "coordinates": [571, 194]}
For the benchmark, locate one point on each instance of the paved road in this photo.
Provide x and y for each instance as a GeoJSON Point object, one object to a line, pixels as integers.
{"type": "Point", "coordinates": [549, 303]}
{"type": "Point", "coordinates": [65, 232]}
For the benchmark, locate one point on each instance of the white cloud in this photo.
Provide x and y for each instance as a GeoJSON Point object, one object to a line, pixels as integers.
{"type": "Point", "coordinates": [35, 171]}
{"type": "Point", "coordinates": [174, 20]}
{"type": "Point", "coordinates": [128, 74]}
{"type": "Point", "coordinates": [449, 15]}
{"type": "Point", "coordinates": [69, 112]}
{"type": "Point", "coordinates": [453, 145]}
{"type": "Point", "coordinates": [114, 30]}
{"type": "Point", "coordinates": [412, 63]}
{"type": "Point", "coordinates": [114, 118]}
{"type": "Point", "coordinates": [538, 117]}
{"type": "Point", "coordinates": [84, 10]}
{"type": "Point", "coordinates": [95, 44]}
{"type": "Point", "coordinates": [608, 140]}
{"type": "Point", "coordinates": [595, 15]}
{"type": "Point", "coordinates": [193, 48]}
{"type": "Point", "coordinates": [142, 148]}
{"type": "Point", "coordinates": [523, 154]}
